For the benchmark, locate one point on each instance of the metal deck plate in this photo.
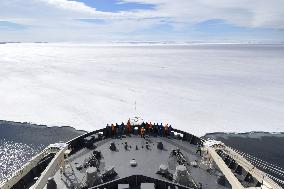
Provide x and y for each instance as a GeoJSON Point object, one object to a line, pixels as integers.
{"type": "Point", "coordinates": [148, 160]}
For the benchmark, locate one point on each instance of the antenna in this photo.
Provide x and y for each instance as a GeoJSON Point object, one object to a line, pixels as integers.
{"type": "Point", "coordinates": [135, 106]}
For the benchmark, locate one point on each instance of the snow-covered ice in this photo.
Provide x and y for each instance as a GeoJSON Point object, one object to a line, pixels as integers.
{"type": "Point", "coordinates": [198, 88]}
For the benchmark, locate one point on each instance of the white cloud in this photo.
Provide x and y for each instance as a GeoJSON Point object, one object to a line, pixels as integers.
{"type": "Point", "coordinates": [249, 13]}
{"type": "Point", "coordinates": [70, 5]}
{"type": "Point", "coordinates": [58, 16]}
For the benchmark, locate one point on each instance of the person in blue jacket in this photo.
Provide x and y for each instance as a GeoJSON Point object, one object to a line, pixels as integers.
{"type": "Point", "coordinates": [170, 130]}
{"type": "Point", "coordinates": [121, 129]}
{"type": "Point", "coordinates": [160, 127]}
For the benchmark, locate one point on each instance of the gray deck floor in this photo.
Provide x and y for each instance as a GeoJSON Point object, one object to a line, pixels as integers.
{"type": "Point", "coordinates": [148, 160]}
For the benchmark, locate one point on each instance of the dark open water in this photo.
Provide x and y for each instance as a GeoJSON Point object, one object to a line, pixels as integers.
{"type": "Point", "coordinates": [19, 142]}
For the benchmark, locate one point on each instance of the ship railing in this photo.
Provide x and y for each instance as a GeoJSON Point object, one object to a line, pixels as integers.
{"type": "Point", "coordinates": [78, 142]}
{"type": "Point", "coordinates": [224, 169]}
{"type": "Point", "coordinates": [192, 139]}
{"type": "Point", "coordinates": [254, 171]}
{"type": "Point", "coordinates": [51, 169]}
{"type": "Point", "coordinates": [250, 169]}
{"type": "Point", "coordinates": [270, 168]}
{"type": "Point", "coordinates": [16, 176]}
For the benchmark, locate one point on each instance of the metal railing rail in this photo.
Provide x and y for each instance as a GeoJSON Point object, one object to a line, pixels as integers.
{"type": "Point", "coordinates": [51, 169]}
{"type": "Point", "coordinates": [225, 170]}
{"type": "Point", "coordinates": [258, 174]}
{"type": "Point", "coordinates": [25, 169]}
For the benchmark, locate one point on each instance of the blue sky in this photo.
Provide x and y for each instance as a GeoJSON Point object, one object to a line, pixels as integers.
{"type": "Point", "coordinates": [10, 26]}
{"type": "Point", "coordinates": [142, 20]}
{"type": "Point", "coordinates": [116, 6]}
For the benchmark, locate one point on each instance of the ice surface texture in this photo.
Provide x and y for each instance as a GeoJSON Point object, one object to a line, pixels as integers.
{"type": "Point", "coordinates": [197, 88]}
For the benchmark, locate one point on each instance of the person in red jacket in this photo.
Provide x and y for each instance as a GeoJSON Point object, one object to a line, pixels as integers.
{"type": "Point", "coordinates": [150, 128]}
{"type": "Point", "coordinates": [147, 127]}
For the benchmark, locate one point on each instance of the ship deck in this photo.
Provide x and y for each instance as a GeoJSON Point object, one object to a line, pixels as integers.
{"type": "Point", "coordinates": [148, 162]}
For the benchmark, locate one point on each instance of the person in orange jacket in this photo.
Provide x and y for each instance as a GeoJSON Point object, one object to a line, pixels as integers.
{"type": "Point", "coordinates": [142, 132]}
{"type": "Point", "coordinates": [113, 129]}
{"type": "Point", "coordinates": [166, 130]}
{"type": "Point", "coordinates": [128, 127]}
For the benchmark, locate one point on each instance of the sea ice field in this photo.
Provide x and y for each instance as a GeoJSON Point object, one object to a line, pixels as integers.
{"type": "Point", "coordinates": [200, 88]}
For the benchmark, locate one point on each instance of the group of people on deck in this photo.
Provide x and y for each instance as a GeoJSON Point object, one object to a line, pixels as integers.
{"type": "Point", "coordinates": [155, 129]}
